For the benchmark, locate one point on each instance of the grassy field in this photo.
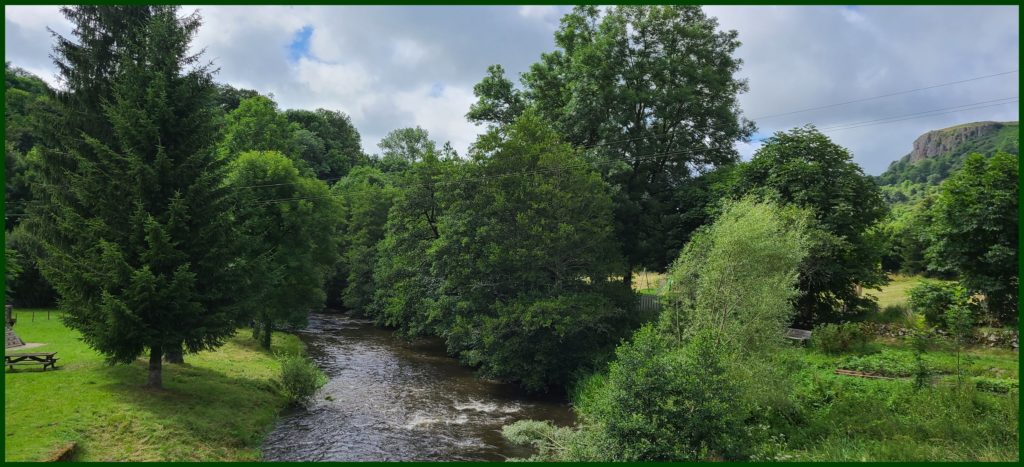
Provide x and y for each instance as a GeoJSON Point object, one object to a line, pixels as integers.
{"type": "Point", "coordinates": [846, 418]}
{"type": "Point", "coordinates": [218, 406]}
{"type": "Point", "coordinates": [647, 282]}
{"type": "Point", "coordinates": [896, 291]}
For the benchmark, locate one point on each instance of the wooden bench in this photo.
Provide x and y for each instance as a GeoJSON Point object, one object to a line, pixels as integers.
{"type": "Point", "coordinates": [46, 359]}
{"type": "Point", "coordinates": [798, 335]}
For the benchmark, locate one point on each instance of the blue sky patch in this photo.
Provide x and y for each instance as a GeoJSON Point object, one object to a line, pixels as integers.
{"type": "Point", "coordinates": [300, 44]}
{"type": "Point", "coordinates": [437, 89]}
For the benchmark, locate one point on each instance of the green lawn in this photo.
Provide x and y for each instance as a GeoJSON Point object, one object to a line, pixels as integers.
{"type": "Point", "coordinates": [218, 406]}
{"type": "Point", "coordinates": [896, 291]}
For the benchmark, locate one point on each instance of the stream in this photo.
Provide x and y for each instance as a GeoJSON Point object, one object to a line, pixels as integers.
{"type": "Point", "coordinates": [388, 399]}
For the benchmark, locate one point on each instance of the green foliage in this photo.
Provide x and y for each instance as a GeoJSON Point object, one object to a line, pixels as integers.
{"type": "Point", "coordinates": [700, 384]}
{"type": "Point", "coordinates": [935, 169]}
{"type": "Point", "coordinates": [884, 363]}
{"type": "Point", "coordinates": [878, 420]}
{"type": "Point", "coordinates": [525, 260]}
{"type": "Point", "coordinates": [996, 385]}
{"type": "Point", "coordinates": [27, 98]}
{"type": "Point", "coordinates": [257, 125]}
{"type": "Point", "coordinates": [402, 147]}
{"type": "Point", "coordinates": [27, 287]}
{"type": "Point", "coordinates": [669, 404]}
{"type": "Point", "coordinates": [920, 341]}
{"type": "Point", "coordinates": [976, 231]}
{"type": "Point", "coordinates": [403, 263]}
{"type": "Point", "coordinates": [908, 234]}
{"type": "Point", "coordinates": [617, 83]}
{"type": "Point", "coordinates": [365, 196]}
{"type": "Point", "coordinates": [499, 101]}
{"type": "Point", "coordinates": [229, 98]}
{"type": "Point", "coordinates": [300, 379]}
{"type": "Point", "coordinates": [288, 224]}
{"type": "Point", "coordinates": [805, 168]}
{"type": "Point", "coordinates": [327, 142]}
{"type": "Point", "coordinates": [933, 299]}
{"type": "Point", "coordinates": [840, 338]}
{"type": "Point", "coordinates": [896, 313]}
{"type": "Point", "coordinates": [736, 278]}
{"type": "Point", "coordinates": [135, 229]}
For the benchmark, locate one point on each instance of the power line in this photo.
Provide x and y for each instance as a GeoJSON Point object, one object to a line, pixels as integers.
{"type": "Point", "coordinates": [881, 96]}
{"type": "Point", "coordinates": [929, 113]}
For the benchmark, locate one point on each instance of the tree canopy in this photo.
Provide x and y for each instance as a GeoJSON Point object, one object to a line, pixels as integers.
{"type": "Point", "coordinates": [976, 230]}
{"type": "Point", "coordinates": [805, 168]}
{"type": "Point", "coordinates": [651, 92]}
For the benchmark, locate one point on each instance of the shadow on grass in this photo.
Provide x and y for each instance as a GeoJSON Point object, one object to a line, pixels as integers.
{"type": "Point", "coordinates": [201, 414]}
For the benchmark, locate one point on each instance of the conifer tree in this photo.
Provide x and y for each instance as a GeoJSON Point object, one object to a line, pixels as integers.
{"type": "Point", "coordinates": [135, 222]}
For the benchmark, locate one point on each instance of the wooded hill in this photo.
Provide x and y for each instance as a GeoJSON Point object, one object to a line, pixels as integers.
{"type": "Point", "coordinates": [937, 153]}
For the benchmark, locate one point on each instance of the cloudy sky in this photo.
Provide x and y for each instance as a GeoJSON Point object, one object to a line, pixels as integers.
{"type": "Point", "coordinates": [392, 67]}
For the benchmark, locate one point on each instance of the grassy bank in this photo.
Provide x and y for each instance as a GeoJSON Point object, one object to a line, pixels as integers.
{"type": "Point", "coordinates": [846, 418]}
{"type": "Point", "coordinates": [218, 406]}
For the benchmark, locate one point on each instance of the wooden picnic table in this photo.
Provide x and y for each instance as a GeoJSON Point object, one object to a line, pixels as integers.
{"type": "Point", "coordinates": [47, 359]}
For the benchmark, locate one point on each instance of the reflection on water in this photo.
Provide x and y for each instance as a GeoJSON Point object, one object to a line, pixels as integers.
{"type": "Point", "coordinates": [387, 399]}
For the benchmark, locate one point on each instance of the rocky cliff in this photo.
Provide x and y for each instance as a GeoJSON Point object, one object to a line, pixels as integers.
{"type": "Point", "coordinates": [938, 142]}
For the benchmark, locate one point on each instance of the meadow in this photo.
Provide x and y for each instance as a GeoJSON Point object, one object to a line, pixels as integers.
{"type": "Point", "coordinates": [216, 406]}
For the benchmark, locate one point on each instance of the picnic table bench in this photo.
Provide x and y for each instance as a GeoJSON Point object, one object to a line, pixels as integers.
{"type": "Point", "coordinates": [45, 358]}
{"type": "Point", "coordinates": [798, 335]}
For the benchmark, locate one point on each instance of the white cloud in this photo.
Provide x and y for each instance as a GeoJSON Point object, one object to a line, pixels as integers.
{"type": "Point", "coordinates": [538, 11]}
{"type": "Point", "coordinates": [408, 52]}
{"type": "Point", "coordinates": [36, 17]}
{"type": "Point", "coordinates": [442, 115]}
{"type": "Point", "coordinates": [345, 87]}
{"type": "Point", "coordinates": [379, 64]}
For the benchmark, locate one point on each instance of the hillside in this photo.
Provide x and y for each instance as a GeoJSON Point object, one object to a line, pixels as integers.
{"type": "Point", "coordinates": [937, 153]}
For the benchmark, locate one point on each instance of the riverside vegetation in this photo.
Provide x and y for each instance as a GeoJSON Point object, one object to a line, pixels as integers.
{"type": "Point", "coordinates": [166, 214]}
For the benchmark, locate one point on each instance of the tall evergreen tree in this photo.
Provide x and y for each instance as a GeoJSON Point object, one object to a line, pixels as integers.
{"type": "Point", "coordinates": [135, 223]}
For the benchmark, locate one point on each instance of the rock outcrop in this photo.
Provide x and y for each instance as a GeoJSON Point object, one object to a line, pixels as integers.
{"type": "Point", "coordinates": [938, 142]}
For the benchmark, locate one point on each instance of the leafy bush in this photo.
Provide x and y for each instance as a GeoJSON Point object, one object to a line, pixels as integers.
{"type": "Point", "coordinates": [885, 363]}
{"type": "Point", "coordinates": [669, 404]}
{"type": "Point", "coordinates": [840, 338]}
{"type": "Point", "coordinates": [897, 313]}
{"type": "Point", "coordinates": [300, 379]}
{"type": "Point", "coordinates": [933, 299]}
{"type": "Point", "coordinates": [997, 385]}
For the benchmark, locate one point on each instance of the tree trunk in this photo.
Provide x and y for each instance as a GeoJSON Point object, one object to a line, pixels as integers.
{"type": "Point", "coordinates": [155, 368]}
{"type": "Point", "coordinates": [175, 355]}
{"type": "Point", "coordinates": [628, 276]}
{"type": "Point", "coordinates": [267, 330]}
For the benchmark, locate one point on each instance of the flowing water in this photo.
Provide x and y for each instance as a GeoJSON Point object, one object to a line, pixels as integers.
{"type": "Point", "coordinates": [387, 399]}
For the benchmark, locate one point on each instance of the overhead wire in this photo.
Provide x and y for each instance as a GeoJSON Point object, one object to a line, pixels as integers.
{"type": "Point", "coordinates": [882, 96]}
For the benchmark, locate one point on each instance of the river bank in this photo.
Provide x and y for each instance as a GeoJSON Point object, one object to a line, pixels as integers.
{"type": "Point", "coordinates": [216, 407]}
{"type": "Point", "coordinates": [388, 399]}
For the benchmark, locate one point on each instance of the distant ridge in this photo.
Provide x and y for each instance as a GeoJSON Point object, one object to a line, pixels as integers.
{"type": "Point", "coordinates": [936, 153]}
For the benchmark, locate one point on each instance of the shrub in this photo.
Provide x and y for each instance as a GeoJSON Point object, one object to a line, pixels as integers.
{"type": "Point", "coordinates": [885, 363]}
{"type": "Point", "coordinates": [840, 338]}
{"type": "Point", "coordinates": [933, 299]}
{"type": "Point", "coordinates": [897, 313]}
{"type": "Point", "coordinates": [300, 379]}
{"type": "Point", "coordinates": [997, 385]}
{"type": "Point", "coordinates": [669, 404]}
